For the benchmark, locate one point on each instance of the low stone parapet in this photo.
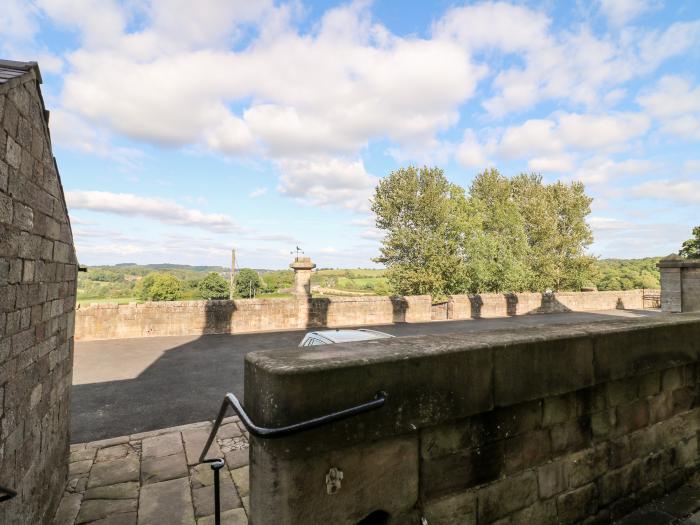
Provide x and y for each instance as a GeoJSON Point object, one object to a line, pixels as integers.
{"type": "Point", "coordinates": [109, 321]}
{"type": "Point", "coordinates": [509, 304]}
{"type": "Point", "coordinates": [542, 425]}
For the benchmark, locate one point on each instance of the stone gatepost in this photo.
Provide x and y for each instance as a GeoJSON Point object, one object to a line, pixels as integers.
{"type": "Point", "coordinates": [302, 267]}
{"type": "Point", "coordinates": [680, 284]}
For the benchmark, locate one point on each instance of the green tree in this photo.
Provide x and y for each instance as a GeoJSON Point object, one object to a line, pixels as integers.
{"type": "Point", "coordinates": [160, 287]}
{"type": "Point", "coordinates": [499, 261]}
{"type": "Point", "coordinates": [248, 282]}
{"type": "Point", "coordinates": [278, 279]}
{"type": "Point", "coordinates": [691, 247]}
{"type": "Point", "coordinates": [213, 286]}
{"type": "Point", "coordinates": [557, 233]}
{"type": "Point", "coordinates": [505, 235]}
{"type": "Point", "coordinates": [423, 216]}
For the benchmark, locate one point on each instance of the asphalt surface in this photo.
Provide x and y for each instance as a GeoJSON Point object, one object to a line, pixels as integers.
{"type": "Point", "coordinates": [124, 386]}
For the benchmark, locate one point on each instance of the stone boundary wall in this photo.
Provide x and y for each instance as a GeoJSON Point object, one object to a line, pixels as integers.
{"type": "Point", "coordinates": [37, 301]}
{"type": "Point", "coordinates": [546, 425]}
{"type": "Point", "coordinates": [110, 321]}
{"type": "Point", "coordinates": [502, 305]}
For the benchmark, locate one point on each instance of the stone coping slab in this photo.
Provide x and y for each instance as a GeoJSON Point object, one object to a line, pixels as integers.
{"type": "Point", "coordinates": [430, 380]}
{"type": "Point", "coordinates": [145, 478]}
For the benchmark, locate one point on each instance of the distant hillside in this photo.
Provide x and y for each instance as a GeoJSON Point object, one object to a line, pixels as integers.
{"type": "Point", "coordinates": [628, 274]}
{"type": "Point", "coordinates": [119, 282]}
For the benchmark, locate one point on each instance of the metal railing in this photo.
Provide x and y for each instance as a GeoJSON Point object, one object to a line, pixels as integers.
{"type": "Point", "coordinates": [230, 400]}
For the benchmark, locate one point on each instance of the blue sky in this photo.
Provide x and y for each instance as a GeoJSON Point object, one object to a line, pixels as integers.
{"type": "Point", "coordinates": [183, 132]}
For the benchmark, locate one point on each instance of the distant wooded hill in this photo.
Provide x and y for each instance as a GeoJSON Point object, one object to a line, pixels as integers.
{"type": "Point", "coordinates": [119, 282]}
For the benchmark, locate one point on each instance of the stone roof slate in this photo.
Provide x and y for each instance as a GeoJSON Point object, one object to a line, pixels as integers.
{"type": "Point", "coordinates": [10, 69]}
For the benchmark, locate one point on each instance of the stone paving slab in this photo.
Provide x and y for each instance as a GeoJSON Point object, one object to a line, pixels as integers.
{"type": "Point", "coordinates": [153, 478]}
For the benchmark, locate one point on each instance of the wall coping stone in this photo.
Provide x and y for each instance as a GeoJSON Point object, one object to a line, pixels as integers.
{"type": "Point", "coordinates": [676, 261]}
{"type": "Point", "coordinates": [432, 380]}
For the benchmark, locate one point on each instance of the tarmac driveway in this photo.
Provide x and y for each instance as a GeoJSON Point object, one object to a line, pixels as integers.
{"type": "Point", "coordinates": [125, 386]}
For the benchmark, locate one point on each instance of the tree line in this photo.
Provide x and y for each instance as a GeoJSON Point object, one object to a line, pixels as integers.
{"type": "Point", "coordinates": [500, 235]}
{"type": "Point", "coordinates": [162, 286]}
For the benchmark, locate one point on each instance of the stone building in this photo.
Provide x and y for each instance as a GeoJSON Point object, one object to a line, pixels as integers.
{"type": "Point", "coordinates": [37, 304]}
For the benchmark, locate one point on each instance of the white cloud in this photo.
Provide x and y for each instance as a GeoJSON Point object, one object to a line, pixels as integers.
{"type": "Point", "coordinates": [691, 167]}
{"type": "Point", "coordinates": [372, 234]}
{"type": "Point", "coordinates": [555, 163]}
{"type": "Point", "coordinates": [676, 103]}
{"type": "Point", "coordinates": [602, 132]}
{"type": "Point", "coordinates": [657, 46]}
{"type": "Point", "coordinates": [327, 181]}
{"type": "Point", "coordinates": [533, 137]}
{"type": "Point", "coordinates": [163, 210]}
{"type": "Point", "coordinates": [630, 239]}
{"type": "Point", "coordinates": [676, 190]}
{"type": "Point", "coordinates": [546, 141]}
{"type": "Point", "coordinates": [258, 192]}
{"type": "Point", "coordinates": [304, 98]}
{"type": "Point", "coordinates": [608, 223]}
{"type": "Point", "coordinates": [470, 153]}
{"type": "Point", "coordinates": [286, 96]}
{"type": "Point", "coordinates": [572, 65]}
{"type": "Point", "coordinates": [498, 25]}
{"type": "Point", "coordinates": [100, 22]}
{"type": "Point", "coordinates": [18, 20]}
{"type": "Point", "coordinates": [619, 12]}
{"type": "Point", "coordinates": [602, 170]}
{"type": "Point", "coordinates": [71, 131]}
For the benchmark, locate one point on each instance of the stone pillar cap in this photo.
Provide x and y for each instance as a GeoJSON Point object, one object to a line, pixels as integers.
{"type": "Point", "coordinates": [676, 261]}
{"type": "Point", "coordinates": [303, 263]}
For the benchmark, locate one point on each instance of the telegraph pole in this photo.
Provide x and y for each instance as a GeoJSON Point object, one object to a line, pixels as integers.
{"type": "Point", "coordinates": [232, 284]}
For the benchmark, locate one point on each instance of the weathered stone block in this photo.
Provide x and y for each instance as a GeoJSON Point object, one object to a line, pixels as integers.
{"type": "Point", "coordinates": [6, 209]}
{"type": "Point", "coordinates": [468, 468]}
{"type": "Point", "coordinates": [672, 379]}
{"type": "Point", "coordinates": [542, 368]}
{"type": "Point", "coordinates": [507, 496]}
{"type": "Point", "coordinates": [527, 450]}
{"type": "Point", "coordinates": [577, 504]}
{"type": "Point", "coordinates": [622, 391]}
{"type": "Point", "coordinates": [294, 491]}
{"type": "Point", "coordinates": [616, 483]}
{"type": "Point", "coordinates": [571, 436]}
{"type": "Point", "coordinates": [633, 416]}
{"type": "Point", "coordinates": [459, 508]}
{"type": "Point", "coordinates": [13, 155]}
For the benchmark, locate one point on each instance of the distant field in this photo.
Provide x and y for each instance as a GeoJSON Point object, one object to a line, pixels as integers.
{"type": "Point", "coordinates": [120, 283]}
{"type": "Point", "coordinates": [117, 300]}
{"type": "Point", "coordinates": [354, 280]}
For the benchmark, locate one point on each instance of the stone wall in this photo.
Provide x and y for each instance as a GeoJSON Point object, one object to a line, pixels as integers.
{"type": "Point", "coordinates": [549, 425]}
{"type": "Point", "coordinates": [37, 300]}
{"type": "Point", "coordinates": [680, 284]}
{"type": "Point", "coordinates": [502, 305]}
{"type": "Point", "coordinates": [107, 321]}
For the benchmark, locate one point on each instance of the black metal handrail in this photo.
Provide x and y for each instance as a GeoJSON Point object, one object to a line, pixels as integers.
{"type": "Point", "coordinates": [273, 433]}
{"type": "Point", "coordinates": [6, 493]}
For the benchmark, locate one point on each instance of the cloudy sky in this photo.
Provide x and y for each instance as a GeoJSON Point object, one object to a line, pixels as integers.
{"type": "Point", "coordinates": [183, 132]}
